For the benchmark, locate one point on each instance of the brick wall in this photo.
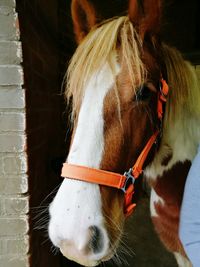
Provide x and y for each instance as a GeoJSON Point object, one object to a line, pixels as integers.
{"type": "Point", "coordinates": [32, 126]}
{"type": "Point", "coordinates": [14, 241]}
{"type": "Point", "coordinates": [43, 66]}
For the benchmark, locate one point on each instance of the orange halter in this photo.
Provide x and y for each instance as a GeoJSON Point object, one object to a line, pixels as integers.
{"type": "Point", "coordinates": [126, 181]}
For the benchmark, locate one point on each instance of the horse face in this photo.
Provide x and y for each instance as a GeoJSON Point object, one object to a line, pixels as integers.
{"type": "Point", "coordinates": [114, 121]}
{"type": "Point", "coordinates": [77, 224]}
{"type": "Point", "coordinates": [86, 219]}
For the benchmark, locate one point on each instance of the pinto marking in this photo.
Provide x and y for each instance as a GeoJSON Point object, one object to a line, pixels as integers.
{"type": "Point", "coordinates": [181, 260]}
{"type": "Point", "coordinates": [153, 200]}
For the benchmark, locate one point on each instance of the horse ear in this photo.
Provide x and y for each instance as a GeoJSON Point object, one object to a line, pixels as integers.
{"type": "Point", "coordinates": [83, 16]}
{"type": "Point", "coordinates": [145, 16]}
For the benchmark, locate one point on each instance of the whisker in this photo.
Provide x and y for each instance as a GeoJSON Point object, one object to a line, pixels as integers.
{"type": "Point", "coordinates": [114, 224]}
{"type": "Point", "coordinates": [39, 207]}
{"type": "Point", "coordinates": [126, 247]}
{"type": "Point", "coordinates": [41, 212]}
{"type": "Point", "coordinates": [41, 221]}
{"type": "Point", "coordinates": [54, 250]}
{"type": "Point", "coordinates": [125, 252]}
{"type": "Point", "coordinates": [45, 241]}
{"type": "Point", "coordinates": [50, 194]}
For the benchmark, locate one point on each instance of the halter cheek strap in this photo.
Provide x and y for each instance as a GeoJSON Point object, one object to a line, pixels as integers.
{"type": "Point", "coordinates": [126, 181]}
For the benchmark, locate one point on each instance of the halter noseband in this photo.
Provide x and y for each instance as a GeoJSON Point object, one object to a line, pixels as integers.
{"type": "Point", "coordinates": [126, 181]}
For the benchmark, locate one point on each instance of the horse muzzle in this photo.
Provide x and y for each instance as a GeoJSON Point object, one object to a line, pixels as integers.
{"type": "Point", "coordinates": [88, 251]}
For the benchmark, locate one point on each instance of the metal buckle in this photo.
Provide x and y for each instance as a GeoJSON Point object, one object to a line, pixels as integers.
{"type": "Point", "coordinates": [130, 179]}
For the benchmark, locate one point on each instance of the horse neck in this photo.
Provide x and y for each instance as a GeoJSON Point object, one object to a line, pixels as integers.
{"type": "Point", "coordinates": [181, 127]}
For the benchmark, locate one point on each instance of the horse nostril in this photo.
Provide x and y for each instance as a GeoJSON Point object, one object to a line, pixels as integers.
{"type": "Point", "coordinates": [96, 239]}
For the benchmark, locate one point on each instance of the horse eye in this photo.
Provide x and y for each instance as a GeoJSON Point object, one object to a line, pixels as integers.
{"type": "Point", "coordinates": [143, 93]}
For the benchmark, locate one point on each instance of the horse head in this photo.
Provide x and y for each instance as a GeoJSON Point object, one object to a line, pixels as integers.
{"type": "Point", "coordinates": [114, 79]}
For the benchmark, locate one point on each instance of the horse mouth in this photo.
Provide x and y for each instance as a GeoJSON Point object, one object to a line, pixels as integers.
{"type": "Point", "coordinates": [89, 262]}
{"type": "Point", "coordinates": [110, 254]}
{"type": "Point", "coordinates": [82, 261]}
{"type": "Point", "coordinates": [108, 257]}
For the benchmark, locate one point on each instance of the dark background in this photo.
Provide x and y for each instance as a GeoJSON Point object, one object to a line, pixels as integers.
{"type": "Point", "coordinates": [48, 43]}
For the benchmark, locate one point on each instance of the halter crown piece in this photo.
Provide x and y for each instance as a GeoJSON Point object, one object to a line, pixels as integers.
{"type": "Point", "coordinates": [126, 181]}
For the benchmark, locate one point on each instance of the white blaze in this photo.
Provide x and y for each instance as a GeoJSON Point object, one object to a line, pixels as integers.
{"type": "Point", "coordinates": [77, 204]}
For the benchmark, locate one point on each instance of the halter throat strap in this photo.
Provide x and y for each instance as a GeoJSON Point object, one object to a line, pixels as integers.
{"type": "Point", "coordinates": [126, 181]}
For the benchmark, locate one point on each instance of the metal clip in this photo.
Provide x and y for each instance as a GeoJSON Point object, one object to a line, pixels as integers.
{"type": "Point", "coordinates": [129, 180]}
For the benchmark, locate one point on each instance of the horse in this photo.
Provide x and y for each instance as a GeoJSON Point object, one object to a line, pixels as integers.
{"type": "Point", "coordinates": [115, 80]}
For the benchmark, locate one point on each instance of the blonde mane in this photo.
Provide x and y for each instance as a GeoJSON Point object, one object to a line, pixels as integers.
{"type": "Point", "coordinates": [96, 49]}
{"type": "Point", "coordinates": [184, 94]}
{"type": "Point", "coordinates": [183, 104]}
{"type": "Point", "coordinates": [181, 128]}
